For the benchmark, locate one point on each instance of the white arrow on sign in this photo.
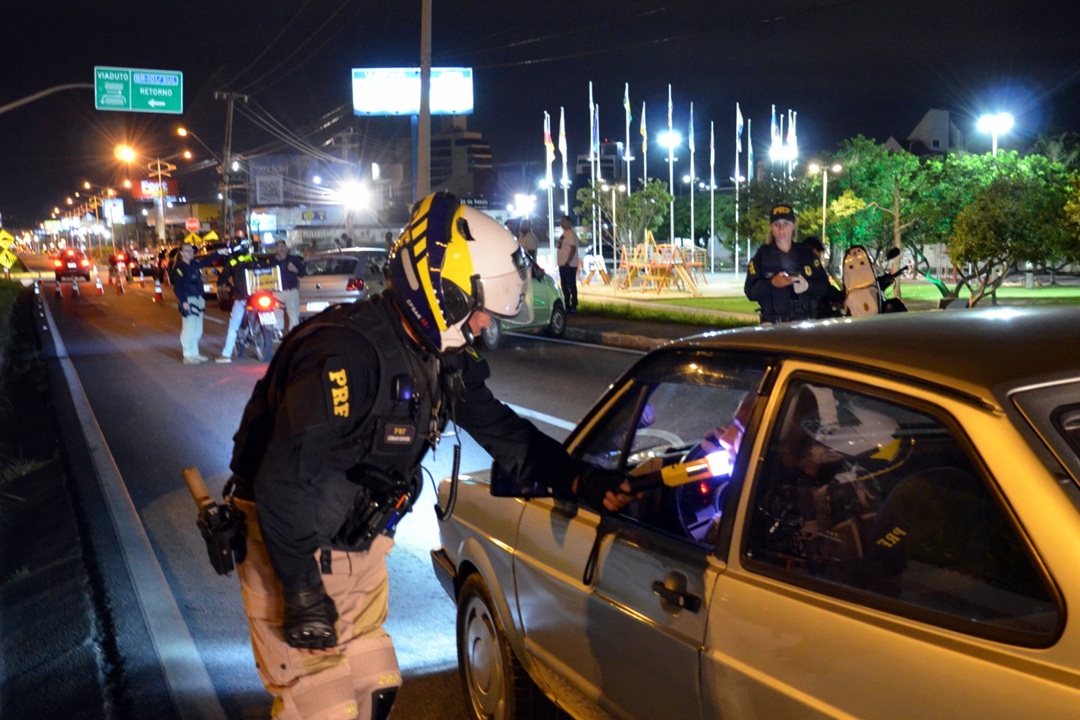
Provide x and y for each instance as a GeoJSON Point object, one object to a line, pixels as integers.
{"type": "Point", "coordinates": [155, 103]}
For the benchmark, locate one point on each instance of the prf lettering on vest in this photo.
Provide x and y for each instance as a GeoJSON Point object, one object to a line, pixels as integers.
{"type": "Point", "coordinates": [339, 392]}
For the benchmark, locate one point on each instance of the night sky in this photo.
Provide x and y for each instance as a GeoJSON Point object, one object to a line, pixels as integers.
{"type": "Point", "coordinates": [870, 67]}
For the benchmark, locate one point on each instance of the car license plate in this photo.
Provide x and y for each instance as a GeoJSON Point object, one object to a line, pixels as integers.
{"type": "Point", "coordinates": [317, 306]}
{"type": "Point", "coordinates": [72, 265]}
{"type": "Point", "coordinates": [268, 318]}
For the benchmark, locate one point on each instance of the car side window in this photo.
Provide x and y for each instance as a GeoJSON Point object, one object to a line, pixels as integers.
{"type": "Point", "coordinates": [865, 497]}
{"type": "Point", "coordinates": [680, 422]}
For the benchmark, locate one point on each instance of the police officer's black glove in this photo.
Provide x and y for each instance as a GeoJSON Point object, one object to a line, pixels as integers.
{"type": "Point", "coordinates": [309, 619]}
{"type": "Point", "coordinates": [593, 484]}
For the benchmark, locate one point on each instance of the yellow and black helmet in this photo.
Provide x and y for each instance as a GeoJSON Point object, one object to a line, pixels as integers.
{"type": "Point", "coordinates": [451, 260]}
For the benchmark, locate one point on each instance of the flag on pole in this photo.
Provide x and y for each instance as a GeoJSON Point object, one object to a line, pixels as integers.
{"type": "Point", "coordinates": [592, 124]}
{"type": "Point", "coordinates": [792, 136]}
{"type": "Point", "coordinates": [738, 138]}
{"type": "Point", "coordinates": [712, 147]}
{"type": "Point", "coordinates": [669, 108]}
{"type": "Point", "coordinates": [690, 135]}
{"type": "Point", "coordinates": [627, 156]}
{"type": "Point", "coordinates": [738, 129]}
{"type": "Point", "coordinates": [548, 145]}
{"type": "Point", "coordinates": [749, 151]}
{"type": "Point", "coordinates": [562, 139]}
{"type": "Point", "coordinates": [596, 132]}
{"type": "Point", "coordinates": [774, 148]}
{"type": "Point", "coordinates": [644, 131]}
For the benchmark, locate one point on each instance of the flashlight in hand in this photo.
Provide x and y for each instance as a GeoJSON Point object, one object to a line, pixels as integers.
{"type": "Point", "coordinates": [713, 465]}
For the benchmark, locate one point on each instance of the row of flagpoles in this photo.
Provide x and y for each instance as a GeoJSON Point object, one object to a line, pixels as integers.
{"type": "Point", "coordinates": [783, 149]}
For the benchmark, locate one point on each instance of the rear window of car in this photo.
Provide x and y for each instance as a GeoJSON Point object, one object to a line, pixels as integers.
{"type": "Point", "coordinates": [331, 266]}
{"type": "Point", "coordinates": [1054, 413]}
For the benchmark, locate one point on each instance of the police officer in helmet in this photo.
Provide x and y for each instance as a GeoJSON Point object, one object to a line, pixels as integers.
{"type": "Point", "coordinates": [327, 457]}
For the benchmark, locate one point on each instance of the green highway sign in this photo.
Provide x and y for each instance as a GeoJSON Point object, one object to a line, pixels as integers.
{"type": "Point", "coordinates": [138, 90]}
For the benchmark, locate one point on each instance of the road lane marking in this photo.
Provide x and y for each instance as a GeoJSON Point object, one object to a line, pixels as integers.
{"type": "Point", "coordinates": [543, 417]}
{"type": "Point", "coordinates": [192, 692]}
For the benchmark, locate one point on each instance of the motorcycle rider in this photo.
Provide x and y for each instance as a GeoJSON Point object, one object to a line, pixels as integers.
{"type": "Point", "coordinates": [327, 457]}
{"type": "Point", "coordinates": [232, 275]}
{"type": "Point", "coordinates": [784, 277]}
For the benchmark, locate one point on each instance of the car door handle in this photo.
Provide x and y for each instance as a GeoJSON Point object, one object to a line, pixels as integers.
{"type": "Point", "coordinates": [670, 592]}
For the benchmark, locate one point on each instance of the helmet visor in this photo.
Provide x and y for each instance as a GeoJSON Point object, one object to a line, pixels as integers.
{"type": "Point", "coordinates": [508, 295]}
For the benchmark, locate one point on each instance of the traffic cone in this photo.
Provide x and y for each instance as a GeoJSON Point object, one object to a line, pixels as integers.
{"type": "Point", "coordinates": [158, 297]}
{"type": "Point", "coordinates": [120, 286]}
{"type": "Point", "coordinates": [100, 289]}
{"type": "Point", "coordinates": [74, 287]}
{"type": "Point", "coordinates": [57, 291]}
{"type": "Point", "coordinates": [142, 279]}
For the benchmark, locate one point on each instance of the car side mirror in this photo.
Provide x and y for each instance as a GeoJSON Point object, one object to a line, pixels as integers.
{"type": "Point", "coordinates": [506, 484]}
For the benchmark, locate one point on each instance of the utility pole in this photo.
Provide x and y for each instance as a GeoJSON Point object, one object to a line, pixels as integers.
{"type": "Point", "coordinates": [226, 160]}
{"type": "Point", "coordinates": [423, 140]}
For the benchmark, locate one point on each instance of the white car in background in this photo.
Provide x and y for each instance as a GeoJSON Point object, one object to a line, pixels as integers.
{"type": "Point", "coordinates": [341, 276]}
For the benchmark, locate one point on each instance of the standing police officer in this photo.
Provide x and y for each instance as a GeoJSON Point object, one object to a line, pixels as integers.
{"type": "Point", "coordinates": [327, 457]}
{"type": "Point", "coordinates": [187, 283]}
{"type": "Point", "coordinates": [291, 267]}
{"type": "Point", "coordinates": [785, 278]}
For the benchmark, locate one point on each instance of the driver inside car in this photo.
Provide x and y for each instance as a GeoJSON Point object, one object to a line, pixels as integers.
{"type": "Point", "coordinates": [663, 503]}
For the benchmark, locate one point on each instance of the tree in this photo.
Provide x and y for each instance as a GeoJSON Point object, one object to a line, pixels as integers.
{"type": "Point", "coordinates": [1019, 217]}
{"type": "Point", "coordinates": [1063, 149]}
{"type": "Point", "coordinates": [646, 209]}
{"type": "Point", "coordinates": [877, 205]}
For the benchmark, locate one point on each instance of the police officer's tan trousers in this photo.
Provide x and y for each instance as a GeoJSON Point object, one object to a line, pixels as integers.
{"type": "Point", "coordinates": [322, 687]}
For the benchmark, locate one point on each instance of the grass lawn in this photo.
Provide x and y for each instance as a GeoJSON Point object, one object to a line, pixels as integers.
{"type": "Point", "coordinates": [918, 295]}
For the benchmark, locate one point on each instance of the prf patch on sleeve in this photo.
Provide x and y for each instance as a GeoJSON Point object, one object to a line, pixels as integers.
{"type": "Point", "coordinates": [750, 269]}
{"type": "Point", "coordinates": [396, 433]}
{"type": "Point", "coordinates": [336, 386]}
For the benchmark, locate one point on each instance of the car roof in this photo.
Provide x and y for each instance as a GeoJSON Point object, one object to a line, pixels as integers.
{"type": "Point", "coordinates": [348, 251]}
{"type": "Point", "coordinates": [985, 353]}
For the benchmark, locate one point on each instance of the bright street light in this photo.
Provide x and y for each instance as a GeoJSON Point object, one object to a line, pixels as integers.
{"type": "Point", "coordinates": [671, 139]}
{"type": "Point", "coordinates": [996, 124]}
{"type": "Point", "coordinates": [184, 132]}
{"type": "Point", "coordinates": [353, 196]}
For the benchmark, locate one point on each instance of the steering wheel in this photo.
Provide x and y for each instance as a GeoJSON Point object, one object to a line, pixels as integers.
{"type": "Point", "coordinates": [670, 438]}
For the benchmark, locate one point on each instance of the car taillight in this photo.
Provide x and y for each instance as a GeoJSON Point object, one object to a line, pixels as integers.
{"type": "Point", "coordinates": [57, 263]}
{"type": "Point", "coordinates": [120, 257]}
{"type": "Point", "coordinates": [356, 284]}
{"type": "Point", "coordinates": [84, 262]}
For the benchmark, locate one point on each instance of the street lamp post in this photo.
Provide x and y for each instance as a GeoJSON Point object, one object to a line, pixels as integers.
{"type": "Point", "coordinates": [159, 168]}
{"type": "Point", "coordinates": [814, 168]}
{"type": "Point", "coordinates": [671, 139]}
{"type": "Point", "coordinates": [996, 124]}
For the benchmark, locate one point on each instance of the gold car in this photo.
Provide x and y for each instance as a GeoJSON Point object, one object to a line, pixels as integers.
{"type": "Point", "coordinates": [856, 518]}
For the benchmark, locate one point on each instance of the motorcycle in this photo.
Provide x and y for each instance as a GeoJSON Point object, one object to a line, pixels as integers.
{"type": "Point", "coordinates": [259, 325]}
{"type": "Point", "coordinates": [864, 286]}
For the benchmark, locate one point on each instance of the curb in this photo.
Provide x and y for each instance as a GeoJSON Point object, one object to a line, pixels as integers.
{"type": "Point", "coordinates": [614, 339]}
